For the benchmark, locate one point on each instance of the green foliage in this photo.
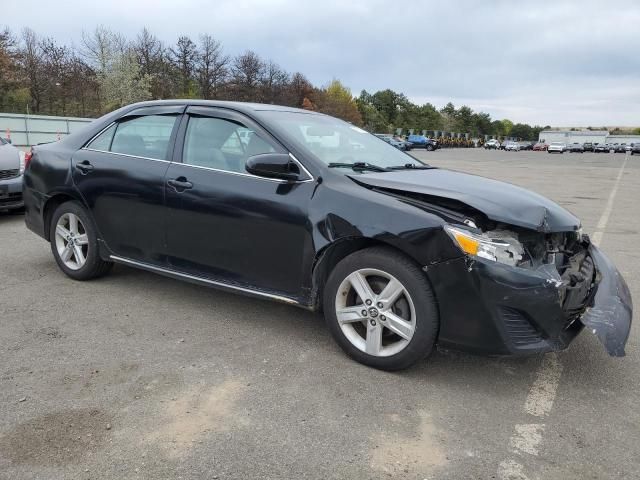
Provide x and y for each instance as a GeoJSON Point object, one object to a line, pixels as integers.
{"type": "Point", "coordinates": [336, 99]}
{"type": "Point", "coordinates": [122, 83]}
{"type": "Point", "coordinates": [522, 131]}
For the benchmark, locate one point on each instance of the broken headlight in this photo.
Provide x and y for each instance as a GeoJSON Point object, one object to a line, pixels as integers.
{"type": "Point", "coordinates": [499, 247]}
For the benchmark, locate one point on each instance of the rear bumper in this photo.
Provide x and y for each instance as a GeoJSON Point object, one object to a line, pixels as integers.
{"type": "Point", "coordinates": [11, 196]}
{"type": "Point", "coordinates": [34, 203]}
{"type": "Point", "coordinates": [494, 309]}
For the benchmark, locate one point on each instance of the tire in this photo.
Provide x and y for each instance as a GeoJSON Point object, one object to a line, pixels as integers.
{"type": "Point", "coordinates": [416, 306]}
{"type": "Point", "coordinates": [429, 148]}
{"type": "Point", "coordinates": [84, 238]}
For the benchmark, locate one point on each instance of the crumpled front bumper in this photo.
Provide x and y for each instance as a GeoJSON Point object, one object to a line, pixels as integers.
{"type": "Point", "coordinates": [495, 309]}
{"type": "Point", "coordinates": [611, 310]}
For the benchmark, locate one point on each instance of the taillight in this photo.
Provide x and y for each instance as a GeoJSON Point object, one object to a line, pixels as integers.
{"type": "Point", "coordinates": [27, 158]}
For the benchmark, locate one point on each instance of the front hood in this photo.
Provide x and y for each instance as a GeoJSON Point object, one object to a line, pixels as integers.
{"type": "Point", "coordinates": [499, 201]}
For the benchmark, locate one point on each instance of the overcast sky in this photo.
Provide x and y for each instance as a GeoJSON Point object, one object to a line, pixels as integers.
{"type": "Point", "coordinates": [564, 63]}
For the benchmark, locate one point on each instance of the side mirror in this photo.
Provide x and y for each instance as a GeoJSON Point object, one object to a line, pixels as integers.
{"type": "Point", "coordinates": [273, 165]}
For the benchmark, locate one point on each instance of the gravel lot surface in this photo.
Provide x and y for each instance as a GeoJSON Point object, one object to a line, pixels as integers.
{"type": "Point", "coordinates": [136, 376]}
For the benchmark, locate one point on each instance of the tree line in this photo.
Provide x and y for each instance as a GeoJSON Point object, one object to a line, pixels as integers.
{"type": "Point", "coordinates": [107, 70]}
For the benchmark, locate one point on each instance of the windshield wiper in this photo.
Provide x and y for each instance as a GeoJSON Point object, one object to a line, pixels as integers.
{"type": "Point", "coordinates": [411, 166]}
{"type": "Point", "coordinates": [359, 166]}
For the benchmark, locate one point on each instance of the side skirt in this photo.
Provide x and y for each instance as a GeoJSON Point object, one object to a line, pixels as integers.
{"type": "Point", "coordinates": [207, 282]}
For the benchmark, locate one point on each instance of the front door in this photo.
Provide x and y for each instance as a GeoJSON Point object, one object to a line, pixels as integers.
{"type": "Point", "coordinates": [226, 224]}
{"type": "Point", "coordinates": [120, 176]}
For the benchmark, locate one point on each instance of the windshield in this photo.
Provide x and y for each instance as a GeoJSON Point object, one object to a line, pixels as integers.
{"type": "Point", "coordinates": [333, 141]}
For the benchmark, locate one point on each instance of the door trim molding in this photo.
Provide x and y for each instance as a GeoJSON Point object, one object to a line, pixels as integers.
{"type": "Point", "coordinates": [202, 280]}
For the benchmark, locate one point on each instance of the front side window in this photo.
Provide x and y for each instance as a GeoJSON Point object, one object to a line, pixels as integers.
{"type": "Point", "coordinates": [221, 144]}
{"type": "Point", "coordinates": [146, 136]}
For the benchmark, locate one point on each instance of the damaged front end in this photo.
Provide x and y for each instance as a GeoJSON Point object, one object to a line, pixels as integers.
{"type": "Point", "coordinates": [542, 288]}
{"type": "Point", "coordinates": [529, 280]}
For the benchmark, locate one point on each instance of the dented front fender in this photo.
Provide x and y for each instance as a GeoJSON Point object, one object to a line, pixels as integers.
{"type": "Point", "coordinates": [610, 313]}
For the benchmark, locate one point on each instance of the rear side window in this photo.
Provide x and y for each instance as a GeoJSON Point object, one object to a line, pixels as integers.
{"type": "Point", "coordinates": [103, 141]}
{"type": "Point", "coordinates": [146, 136]}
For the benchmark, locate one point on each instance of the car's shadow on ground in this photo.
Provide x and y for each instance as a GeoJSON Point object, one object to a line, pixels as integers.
{"type": "Point", "coordinates": [307, 328]}
{"type": "Point", "coordinates": [6, 217]}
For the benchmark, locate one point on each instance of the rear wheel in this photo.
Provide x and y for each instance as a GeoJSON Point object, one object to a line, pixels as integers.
{"type": "Point", "coordinates": [380, 309]}
{"type": "Point", "coordinates": [74, 243]}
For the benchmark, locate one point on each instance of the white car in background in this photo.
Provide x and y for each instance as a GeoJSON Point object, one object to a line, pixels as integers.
{"type": "Point", "coordinates": [513, 146]}
{"type": "Point", "coordinates": [12, 165]}
{"type": "Point", "coordinates": [557, 147]}
{"type": "Point", "coordinates": [492, 144]}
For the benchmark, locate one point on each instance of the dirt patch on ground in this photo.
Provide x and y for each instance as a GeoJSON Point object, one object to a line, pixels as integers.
{"type": "Point", "coordinates": [399, 455]}
{"type": "Point", "coordinates": [56, 438]}
{"type": "Point", "coordinates": [194, 414]}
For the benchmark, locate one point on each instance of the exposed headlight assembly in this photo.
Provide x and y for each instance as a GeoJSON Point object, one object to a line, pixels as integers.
{"type": "Point", "coordinates": [501, 247]}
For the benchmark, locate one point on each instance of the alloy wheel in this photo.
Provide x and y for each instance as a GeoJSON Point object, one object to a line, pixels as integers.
{"type": "Point", "coordinates": [375, 312]}
{"type": "Point", "coordinates": [72, 242]}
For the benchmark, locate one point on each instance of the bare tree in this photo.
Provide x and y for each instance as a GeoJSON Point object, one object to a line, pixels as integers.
{"type": "Point", "coordinates": [212, 67]}
{"type": "Point", "coordinates": [153, 59]}
{"type": "Point", "coordinates": [83, 87]}
{"type": "Point", "coordinates": [55, 59]}
{"type": "Point", "coordinates": [183, 57]}
{"type": "Point", "coordinates": [274, 83]}
{"type": "Point", "coordinates": [247, 73]}
{"type": "Point", "coordinates": [33, 67]}
{"type": "Point", "coordinates": [9, 72]}
{"type": "Point", "coordinates": [149, 51]}
{"type": "Point", "coordinates": [299, 89]}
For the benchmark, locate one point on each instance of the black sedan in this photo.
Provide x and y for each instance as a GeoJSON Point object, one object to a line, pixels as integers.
{"type": "Point", "coordinates": [302, 208]}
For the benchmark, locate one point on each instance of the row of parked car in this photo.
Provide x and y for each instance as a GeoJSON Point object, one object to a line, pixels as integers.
{"type": "Point", "coordinates": [412, 141]}
{"type": "Point", "coordinates": [560, 147]}
{"type": "Point", "coordinates": [511, 145]}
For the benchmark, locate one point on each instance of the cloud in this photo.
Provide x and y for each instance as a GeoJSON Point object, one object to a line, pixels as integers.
{"type": "Point", "coordinates": [547, 62]}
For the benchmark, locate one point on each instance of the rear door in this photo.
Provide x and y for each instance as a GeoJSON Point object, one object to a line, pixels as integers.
{"type": "Point", "coordinates": [226, 224]}
{"type": "Point", "coordinates": [120, 175]}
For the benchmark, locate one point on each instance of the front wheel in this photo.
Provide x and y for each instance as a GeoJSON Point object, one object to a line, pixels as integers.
{"type": "Point", "coordinates": [429, 148]}
{"type": "Point", "coordinates": [381, 309]}
{"type": "Point", "coordinates": [74, 243]}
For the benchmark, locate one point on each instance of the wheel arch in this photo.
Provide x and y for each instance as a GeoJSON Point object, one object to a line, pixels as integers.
{"type": "Point", "coordinates": [50, 206]}
{"type": "Point", "coordinates": [327, 258]}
